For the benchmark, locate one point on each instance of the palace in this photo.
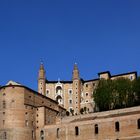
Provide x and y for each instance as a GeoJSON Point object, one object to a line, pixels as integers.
{"type": "Point", "coordinates": [77, 93]}
{"type": "Point", "coordinates": [26, 114]}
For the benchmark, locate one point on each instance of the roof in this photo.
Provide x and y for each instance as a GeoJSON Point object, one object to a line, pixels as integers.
{"type": "Point", "coordinates": [65, 82]}
{"type": "Point", "coordinates": [92, 80]}
{"type": "Point", "coordinates": [134, 72]}
{"type": "Point", "coordinates": [35, 92]}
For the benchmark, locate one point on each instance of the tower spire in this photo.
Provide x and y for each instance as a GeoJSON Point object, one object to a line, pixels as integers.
{"type": "Point", "coordinates": [75, 72]}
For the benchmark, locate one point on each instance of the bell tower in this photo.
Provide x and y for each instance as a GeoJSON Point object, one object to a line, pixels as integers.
{"type": "Point", "coordinates": [76, 89]}
{"type": "Point", "coordinates": [41, 80]}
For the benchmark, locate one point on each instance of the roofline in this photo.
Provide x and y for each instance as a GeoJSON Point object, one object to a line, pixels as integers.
{"type": "Point", "coordinates": [133, 72]}
{"type": "Point", "coordinates": [92, 80]}
{"type": "Point", "coordinates": [96, 79]}
{"type": "Point", "coordinates": [104, 73]}
{"type": "Point", "coordinates": [37, 93]}
{"type": "Point", "coordinates": [65, 82]}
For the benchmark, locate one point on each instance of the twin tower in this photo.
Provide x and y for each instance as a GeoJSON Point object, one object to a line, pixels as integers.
{"type": "Point", "coordinates": [72, 95]}
{"type": "Point", "coordinates": [76, 94]}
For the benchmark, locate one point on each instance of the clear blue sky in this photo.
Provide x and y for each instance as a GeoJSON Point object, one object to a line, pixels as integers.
{"type": "Point", "coordinates": [99, 35]}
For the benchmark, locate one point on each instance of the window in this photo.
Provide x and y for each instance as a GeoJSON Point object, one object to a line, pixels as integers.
{"type": "Point", "coordinates": [131, 77]}
{"type": "Point", "coordinates": [86, 85]}
{"type": "Point", "coordinates": [4, 94]}
{"type": "Point", "coordinates": [4, 104]}
{"type": "Point", "coordinates": [86, 94]}
{"type": "Point", "coordinates": [70, 92]}
{"type": "Point", "coordinates": [117, 126]}
{"type": "Point", "coordinates": [57, 133]}
{"type": "Point", "coordinates": [33, 135]}
{"type": "Point", "coordinates": [96, 128]}
{"type": "Point", "coordinates": [138, 123]}
{"type": "Point", "coordinates": [76, 131]}
{"type": "Point", "coordinates": [3, 122]}
{"type": "Point", "coordinates": [70, 101]}
{"type": "Point", "coordinates": [86, 101]}
{"type": "Point", "coordinates": [4, 135]}
{"type": "Point", "coordinates": [47, 92]}
{"type": "Point", "coordinates": [42, 135]}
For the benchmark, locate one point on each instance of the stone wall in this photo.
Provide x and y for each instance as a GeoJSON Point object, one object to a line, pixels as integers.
{"type": "Point", "coordinates": [83, 127]}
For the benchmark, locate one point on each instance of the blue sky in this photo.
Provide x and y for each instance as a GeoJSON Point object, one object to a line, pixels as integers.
{"type": "Point", "coordinates": [99, 35]}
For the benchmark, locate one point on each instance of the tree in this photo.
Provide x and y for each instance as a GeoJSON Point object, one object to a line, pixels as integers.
{"type": "Point", "coordinates": [115, 94]}
{"type": "Point", "coordinates": [123, 94]}
{"type": "Point", "coordinates": [103, 95]}
{"type": "Point", "coordinates": [136, 90]}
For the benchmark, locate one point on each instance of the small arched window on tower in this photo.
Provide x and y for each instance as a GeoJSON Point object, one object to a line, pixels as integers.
{"type": "Point", "coordinates": [47, 92]}
{"type": "Point", "coordinates": [59, 90]}
{"type": "Point", "coordinates": [138, 123]}
{"type": "Point", "coordinates": [117, 126]}
{"type": "Point", "coordinates": [76, 131]}
{"type": "Point", "coordinates": [4, 104]}
{"type": "Point", "coordinates": [96, 129]}
{"type": "Point", "coordinates": [57, 133]}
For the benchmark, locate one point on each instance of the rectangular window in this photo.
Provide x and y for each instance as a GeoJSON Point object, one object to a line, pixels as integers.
{"type": "Point", "coordinates": [96, 128]}
{"type": "Point", "coordinates": [76, 131]}
{"type": "Point", "coordinates": [117, 126]}
{"type": "Point", "coordinates": [33, 135]}
{"type": "Point", "coordinates": [70, 101]}
{"type": "Point", "coordinates": [4, 104]}
{"type": "Point", "coordinates": [57, 132]}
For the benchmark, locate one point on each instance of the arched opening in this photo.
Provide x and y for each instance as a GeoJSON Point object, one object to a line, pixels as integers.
{"type": "Point", "coordinates": [117, 126]}
{"type": "Point", "coordinates": [58, 90]}
{"type": "Point", "coordinates": [59, 99]}
{"type": "Point", "coordinates": [76, 131]}
{"type": "Point", "coordinates": [96, 129]}
{"type": "Point", "coordinates": [57, 133]}
{"type": "Point", "coordinates": [42, 137]}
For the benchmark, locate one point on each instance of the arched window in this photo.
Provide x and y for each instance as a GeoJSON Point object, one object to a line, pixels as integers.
{"type": "Point", "coordinates": [96, 129]}
{"type": "Point", "coordinates": [57, 133]}
{"type": "Point", "coordinates": [117, 126]}
{"type": "Point", "coordinates": [58, 90]}
{"type": "Point", "coordinates": [76, 131]}
{"type": "Point", "coordinates": [138, 123]}
{"type": "Point", "coordinates": [42, 135]}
